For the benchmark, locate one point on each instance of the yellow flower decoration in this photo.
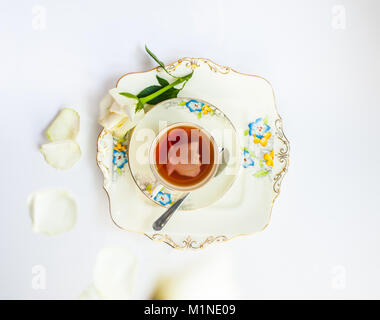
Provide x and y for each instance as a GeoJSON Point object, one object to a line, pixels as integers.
{"type": "Point", "coordinates": [119, 147]}
{"type": "Point", "coordinates": [269, 157]}
{"type": "Point", "coordinates": [149, 188]}
{"type": "Point", "coordinates": [263, 141]}
{"type": "Point", "coordinates": [206, 109]}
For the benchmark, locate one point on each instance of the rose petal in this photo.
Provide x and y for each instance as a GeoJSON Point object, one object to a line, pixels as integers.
{"type": "Point", "coordinates": [90, 294]}
{"type": "Point", "coordinates": [52, 211]}
{"type": "Point", "coordinates": [65, 126]}
{"type": "Point", "coordinates": [61, 154]}
{"type": "Point", "coordinates": [214, 277]}
{"type": "Point", "coordinates": [127, 105]}
{"type": "Point", "coordinates": [114, 273]}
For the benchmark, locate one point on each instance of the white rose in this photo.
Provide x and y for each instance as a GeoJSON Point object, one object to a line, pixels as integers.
{"type": "Point", "coordinates": [117, 113]}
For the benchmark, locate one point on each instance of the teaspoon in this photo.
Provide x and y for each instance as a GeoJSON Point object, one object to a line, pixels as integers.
{"type": "Point", "coordinates": [164, 218]}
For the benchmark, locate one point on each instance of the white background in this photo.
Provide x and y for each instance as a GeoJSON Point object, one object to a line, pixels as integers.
{"type": "Point", "coordinates": [325, 223]}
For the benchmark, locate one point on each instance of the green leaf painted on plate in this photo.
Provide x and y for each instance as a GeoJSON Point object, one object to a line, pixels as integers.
{"type": "Point", "coordinates": [246, 132]}
{"type": "Point", "coordinates": [261, 163]}
{"type": "Point", "coordinates": [261, 173]}
{"type": "Point", "coordinates": [266, 120]}
{"type": "Point", "coordinates": [182, 103]}
{"type": "Point", "coordinates": [163, 82]}
{"type": "Point", "coordinates": [119, 171]}
{"type": "Point", "coordinates": [199, 115]}
{"type": "Point", "coordinates": [212, 112]}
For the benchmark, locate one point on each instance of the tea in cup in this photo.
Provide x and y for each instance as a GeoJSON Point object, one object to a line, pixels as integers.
{"type": "Point", "coordinates": [184, 156]}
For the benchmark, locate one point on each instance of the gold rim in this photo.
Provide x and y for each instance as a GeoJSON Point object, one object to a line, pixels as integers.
{"type": "Point", "coordinates": [154, 147]}
{"type": "Point", "coordinates": [282, 155]}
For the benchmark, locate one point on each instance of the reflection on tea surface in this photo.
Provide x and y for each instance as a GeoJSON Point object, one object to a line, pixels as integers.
{"type": "Point", "coordinates": [184, 155]}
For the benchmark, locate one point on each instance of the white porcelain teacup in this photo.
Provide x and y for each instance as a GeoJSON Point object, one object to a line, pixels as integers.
{"type": "Point", "coordinates": [183, 156]}
{"type": "Point", "coordinates": [209, 120]}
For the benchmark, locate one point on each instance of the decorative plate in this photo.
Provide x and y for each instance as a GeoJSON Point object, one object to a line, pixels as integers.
{"type": "Point", "coordinates": [248, 101]}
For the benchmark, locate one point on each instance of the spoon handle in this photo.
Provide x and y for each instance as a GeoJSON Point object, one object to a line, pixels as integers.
{"type": "Point", "coordinates": [161, 221]}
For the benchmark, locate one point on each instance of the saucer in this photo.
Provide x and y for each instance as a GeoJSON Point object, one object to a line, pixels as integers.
{"type": "Point", "coordinates": [246, 207]}
{"type": "Point", "coordinates": [202, 114]}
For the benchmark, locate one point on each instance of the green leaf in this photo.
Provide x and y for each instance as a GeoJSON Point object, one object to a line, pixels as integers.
{"type": "Point", "coordinates": [199, 115]}
{"type": "Point", "coordinates": [266, 120]}
{"type": "Point", "coordinates": [139, 106]}
{"type": "Point", "coordinates": [261, 163]}
{"type": "Point", "coordinates": [119, 171]}
{"type": "Point", "coordinates": [182, 103]}
{"type": "Point", "coordinates": [154, 57]}
{"type": "Point", "coordinates": [155, 94]}
{"type": "Point", "coordinates": [148, 90]}
{"type": "Point", "coordinates": [246, 132]}
{"type": "Point", "coordinates": [188, 76]}
{"type": "Point", "coordinates": [160, 63]}
{"type": "Point", "coordinates": [261, 173]}
{"type": "Point", "coordinates": [128, 95]}
{"type": "Point", "coordinates": [171, 93]}
{"type": "Point", "coordinates": [163, 82]}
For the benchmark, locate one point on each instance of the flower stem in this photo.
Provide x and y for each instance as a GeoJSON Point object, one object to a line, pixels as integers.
{"type": "Point", "coordinates": [161, 91]}
{"type": "Point", "coordinates": [160, 63]}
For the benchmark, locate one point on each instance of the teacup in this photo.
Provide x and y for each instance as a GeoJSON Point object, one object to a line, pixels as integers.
{"type": "Point", "coordinates": [183, 156]}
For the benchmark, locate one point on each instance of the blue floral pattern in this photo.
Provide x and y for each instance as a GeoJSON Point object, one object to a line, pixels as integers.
{"type": "Point", "coordinates": [258, 128]}
{"type": "Point", "coordinates": [119, 159]}
{"type": "Point", "coordinates": [163, 198]}
{"type": "Point", "coordinates": [194, 105]}
{"type": "Point", "coordinates": [258, 153]}
{"type": "Point", "coordinates": [247, 159]}
{"type": "Point", "coordinates": [119, 156]}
